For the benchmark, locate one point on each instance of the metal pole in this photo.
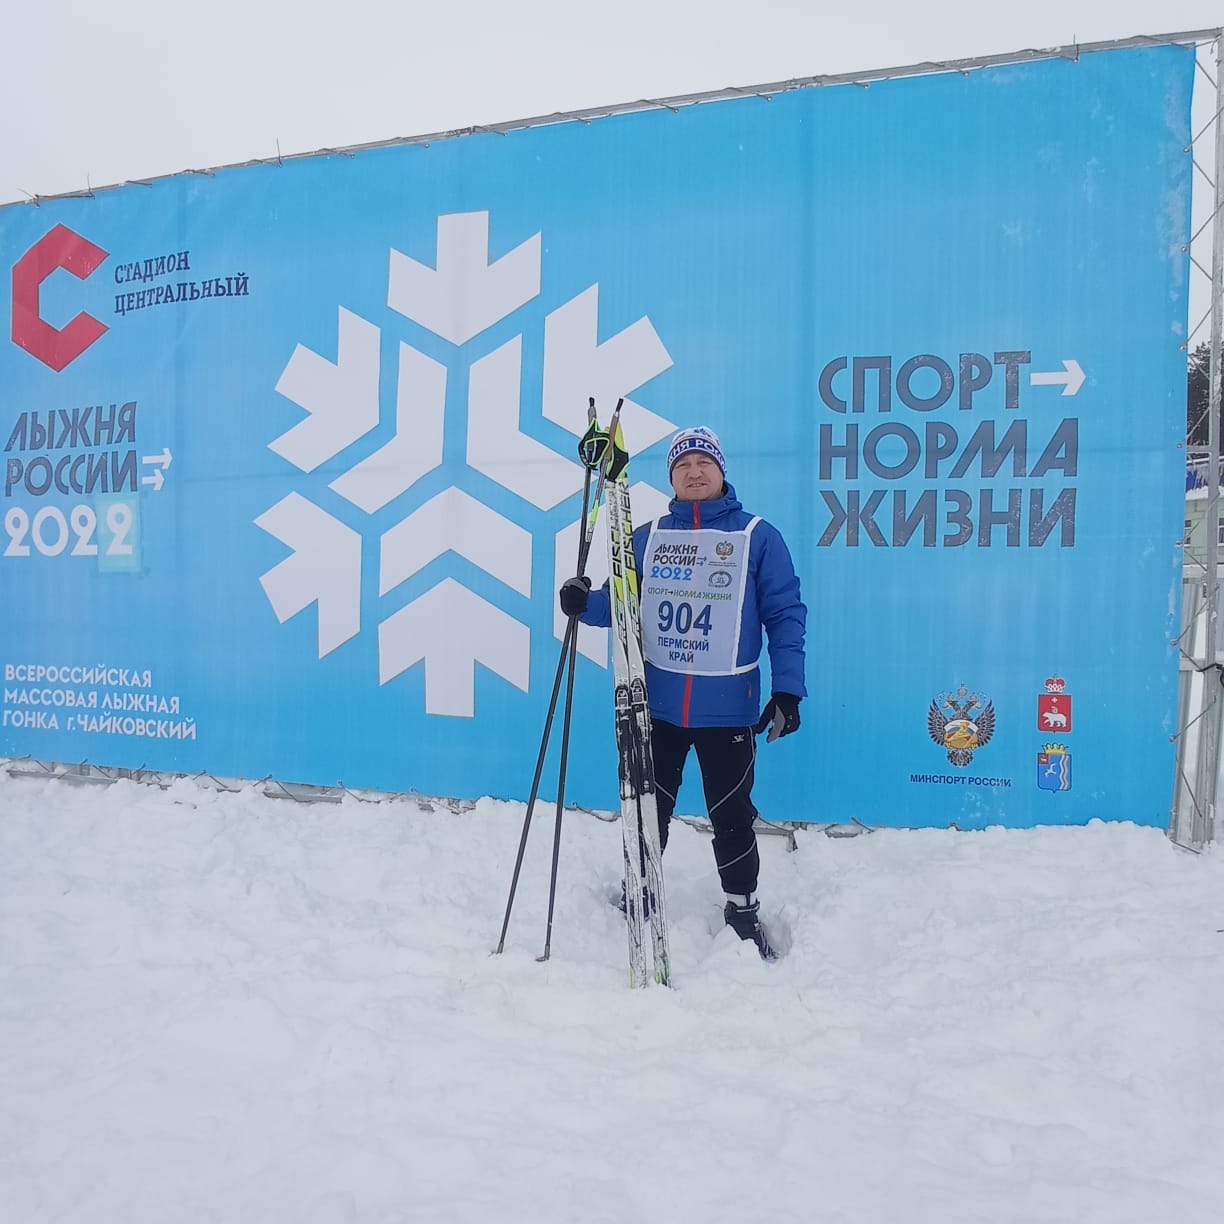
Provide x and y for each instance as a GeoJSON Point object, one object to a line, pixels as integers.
{"type": "Point", "coordinates": [1209, 743]}
{"type": "Point", "coordinates": [571, 633]}
{"type": "Point", "coordinates": [561, 771]}
{"type": "Point", "coordinates": [569, 652]}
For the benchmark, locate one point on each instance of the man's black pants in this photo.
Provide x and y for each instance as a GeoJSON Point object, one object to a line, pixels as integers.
{"type": "Point", "coordinates": [726, 757]}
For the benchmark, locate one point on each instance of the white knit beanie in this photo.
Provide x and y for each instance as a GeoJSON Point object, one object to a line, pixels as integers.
{"type": "Point", "coordinates": [699, 438]}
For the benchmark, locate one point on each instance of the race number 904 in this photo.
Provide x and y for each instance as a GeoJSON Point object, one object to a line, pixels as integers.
{"type": "Point", "coordinates": [79, 532]}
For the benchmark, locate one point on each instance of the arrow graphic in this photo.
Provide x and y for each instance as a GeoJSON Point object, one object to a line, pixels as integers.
{"type": "Point", "coordinates": [452, 630]}
{"type": "Point", "coordinates": [162, 460]}
{"type": "Point", "coordinates": [465, 293]}
{"type": "Point", "coordinates": [340, 397]}
{"type": "Point", "coordinates": [420, 411]}
{"type": "Point", "coordinates": [325, 568]}
{"type": "Point", "coordinates": [496, 447]}
{"type": "Point", "coordinates": [577, 366]}
{"type": "Point", "coordinates": [453, 521]}
{"type": "Point", "coordinates": [1071, 378]}
{"type": "Point", "coordinates": [156, 480]}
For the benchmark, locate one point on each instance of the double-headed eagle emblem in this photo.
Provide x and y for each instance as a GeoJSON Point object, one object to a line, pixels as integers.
{"type": "Point", "coordinates": [961, 722]}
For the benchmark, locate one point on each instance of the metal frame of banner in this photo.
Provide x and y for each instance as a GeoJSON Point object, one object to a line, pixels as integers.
{"type": "Point", "coordinates": [1201, 697]}
{"type": "Point", "coordinates": [88, 774]}
{"type": "Point", "coordinates": [1196, 782]}
{"type": "Point", "coordinates": [767, 92]}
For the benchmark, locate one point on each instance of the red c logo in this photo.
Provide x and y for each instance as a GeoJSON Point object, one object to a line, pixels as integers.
{"type": "Point", "coordinates": [58, 248]}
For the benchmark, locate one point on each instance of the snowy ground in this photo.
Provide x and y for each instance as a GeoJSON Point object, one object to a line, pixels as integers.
{"type": "Point", "coordinates": [231, 1009]}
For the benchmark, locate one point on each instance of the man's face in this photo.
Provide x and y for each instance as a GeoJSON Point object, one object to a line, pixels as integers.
{"type": "Point", "coordinates": [696, 477]}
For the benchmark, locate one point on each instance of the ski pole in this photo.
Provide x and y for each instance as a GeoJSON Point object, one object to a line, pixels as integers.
{"type": "Point", "coordinates": [570, 634]}
{"type": "Point", "coordinates": [590, 507]}
{"type": "Point", "coordinates": [599, 456]}
{"type": "Point", "coordinates": [565, 736]}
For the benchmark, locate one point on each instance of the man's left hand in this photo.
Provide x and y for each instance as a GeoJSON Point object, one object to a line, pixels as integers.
{"type": "Point", "coordinates": [781, 716]}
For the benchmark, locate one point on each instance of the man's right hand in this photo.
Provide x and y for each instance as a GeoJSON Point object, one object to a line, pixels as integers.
{"type": "Point", "coordinates": [575, 592]}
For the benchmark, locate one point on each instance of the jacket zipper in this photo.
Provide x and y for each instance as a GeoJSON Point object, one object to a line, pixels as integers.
{"type": "Point", "coordinates": [688, 679]}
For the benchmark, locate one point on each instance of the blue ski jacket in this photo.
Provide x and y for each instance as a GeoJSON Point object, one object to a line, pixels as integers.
{"type": "Point", "coordinates": [771, 603]}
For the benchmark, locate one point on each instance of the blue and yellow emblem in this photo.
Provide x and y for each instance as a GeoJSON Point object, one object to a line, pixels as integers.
{"type": "Point", "coordinates": [1054, 768]}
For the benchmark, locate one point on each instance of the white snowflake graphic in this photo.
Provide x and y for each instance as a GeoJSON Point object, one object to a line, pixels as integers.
{"type": "Point", "coordinates": [450, 628]}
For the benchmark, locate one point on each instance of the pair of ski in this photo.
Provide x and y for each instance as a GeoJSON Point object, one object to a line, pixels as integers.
{"type": "Point", "coordinates": [604, 455]}
{"type": "Point", "coordinates": [645, 905]}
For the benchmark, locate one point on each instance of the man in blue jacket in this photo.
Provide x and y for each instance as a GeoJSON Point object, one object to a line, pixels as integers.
{"type": "Point", "coordinates": [712, 578]}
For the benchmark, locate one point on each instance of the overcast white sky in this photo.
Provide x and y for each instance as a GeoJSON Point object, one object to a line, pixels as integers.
{"type": "Point", "coordinates": [93, 92]}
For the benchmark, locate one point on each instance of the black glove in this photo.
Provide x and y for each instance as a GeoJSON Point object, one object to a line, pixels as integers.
{"type": "Point", "coordinates": [781, 716]}
{"type": "Point", "coordinates": [574, 595]}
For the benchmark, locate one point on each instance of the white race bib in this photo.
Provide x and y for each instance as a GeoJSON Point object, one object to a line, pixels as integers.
{"type": "Point", "coordinates": [692, 586]}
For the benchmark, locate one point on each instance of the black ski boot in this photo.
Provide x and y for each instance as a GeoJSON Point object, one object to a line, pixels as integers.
{"type": "Point", "coordinates": [745, 921]}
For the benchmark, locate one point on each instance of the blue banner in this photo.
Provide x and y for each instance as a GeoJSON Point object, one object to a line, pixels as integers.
{"type": "Point", "coordinates": [290, 477]}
